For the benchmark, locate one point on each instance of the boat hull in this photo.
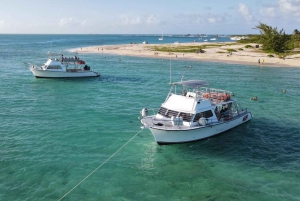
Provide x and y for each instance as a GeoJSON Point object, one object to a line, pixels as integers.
{"type": "Point", "coordinates": [62, 74]}
{"type": "Point", "coordinates": [177, 136]}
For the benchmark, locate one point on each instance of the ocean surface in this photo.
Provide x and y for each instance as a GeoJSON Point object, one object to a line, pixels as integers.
{"type": "Point", "coordinates": [55, 132]}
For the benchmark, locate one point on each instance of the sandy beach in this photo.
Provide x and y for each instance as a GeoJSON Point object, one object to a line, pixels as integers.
{"type": "Point", "coordinates": [212, 53]}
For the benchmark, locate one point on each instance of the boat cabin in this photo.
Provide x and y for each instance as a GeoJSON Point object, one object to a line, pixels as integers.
{"type": "Point", "coordinates": [193, 102]}
{"type": "Point", "coordinates": [67, 64]}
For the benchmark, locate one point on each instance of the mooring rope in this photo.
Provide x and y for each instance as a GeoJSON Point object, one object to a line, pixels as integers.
{"type": "Point", "coordinates": [99, 166]}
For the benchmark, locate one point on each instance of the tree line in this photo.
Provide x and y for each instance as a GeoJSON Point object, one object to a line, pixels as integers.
{"type": "Point", "coordinates": [274, 41]}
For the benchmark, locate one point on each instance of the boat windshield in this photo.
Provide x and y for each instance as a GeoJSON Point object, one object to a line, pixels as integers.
{"type": "Point", "coordinates": [169, 113]}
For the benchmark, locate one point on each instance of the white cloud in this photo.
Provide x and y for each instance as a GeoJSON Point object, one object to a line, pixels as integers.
{"type": "Point", "coordinates": [2, 23]}
{"type": "Point", "coordinates": [290, 7]}
{"type": "Point", "coordinates": [131, 21]}
{"type": "Point", "coordinates": [268, 12]}
{"type": "Point", "coordinates": [85, 23]}
{"type": "Point", "coordinates": [245, 12]}
{"type": "Point", "coordinates": [202, 18]}
{"type": "Point", "coordinates": [282, 10]}
{"type": "Point", "coordinates": [211, 20]}
{"type": "Point", "coordinates": [65, 22]}
{"type": "Point", "coordinates": [153, 20]}
{"type": "Point", "coordinates": [69, 22]}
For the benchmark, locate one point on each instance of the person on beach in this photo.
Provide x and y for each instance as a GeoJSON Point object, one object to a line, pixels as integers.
{"type": "Point", "coordinates": [262, 61]}
{"type": "Point", "coordinates": [258, 61]}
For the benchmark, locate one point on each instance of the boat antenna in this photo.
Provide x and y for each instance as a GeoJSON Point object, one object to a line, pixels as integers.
{"type": "Point", "coordinates": [182, 76]}
{"type": "Point", "coordinates": [170, 71]}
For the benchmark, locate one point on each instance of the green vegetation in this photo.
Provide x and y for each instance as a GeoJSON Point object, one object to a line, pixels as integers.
{"type": "Point", "coordinates": [186, 48]}
{"type": "Point", "coordinates": [248, 46]}
{"type": "Point", "coordinates": [274, 41]}
{"type": "Point", "coordinates": [231, 50]}
{"type": "Point", "coordinates": [270, 55]}
{"type": "Point", "coordinates": [240, 49]}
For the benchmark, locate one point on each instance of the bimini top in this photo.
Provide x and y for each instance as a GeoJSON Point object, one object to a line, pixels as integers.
{"type": "Point", "coordinates": [192, 83]}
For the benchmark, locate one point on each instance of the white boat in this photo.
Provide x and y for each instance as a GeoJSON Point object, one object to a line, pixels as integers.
{"type": "Point", "coordinates": [235, 38]}
{"type": "Point", "coordinates": [193, 111]}
{"type": "Point", "coordinates": [63, 67]}
{"type": "Point", "coordinates": [213, 39]}
{"type": "Point", "coordinates": [145, 42]}
{"type": "Point", "coordinates": [205, 40]}
{"type": "Point", "coordinates": [162, 36]}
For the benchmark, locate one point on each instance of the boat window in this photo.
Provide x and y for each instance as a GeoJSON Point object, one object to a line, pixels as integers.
{"type": "Point", "coordinates": [167, 113]}
{"type": "Point", "coordinates": [162, 111]}
{"type": "Point", "coordinates": [171, 113]}
{"type": "Point", "coordinates": [205, 114]}
{"type": "Point", "coordinates": [54, 67]}
{"type": "Point", "coordinates": [186, 116]}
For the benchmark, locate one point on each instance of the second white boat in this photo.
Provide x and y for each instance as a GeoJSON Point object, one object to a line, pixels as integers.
{"type": "Point", "coordinates": [195, 113]}
{"type": "Point", "coordinates": [63, 67]}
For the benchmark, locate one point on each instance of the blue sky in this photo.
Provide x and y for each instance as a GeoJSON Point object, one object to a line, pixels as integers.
{"type": "Point", "coordinates": [146, 16]}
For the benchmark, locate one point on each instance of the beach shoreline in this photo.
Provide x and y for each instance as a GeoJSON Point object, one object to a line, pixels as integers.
{"type": "Point", "coordinates": [219, 53]}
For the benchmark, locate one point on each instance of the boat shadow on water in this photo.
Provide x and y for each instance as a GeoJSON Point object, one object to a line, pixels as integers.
{"type": "Point", "coordinates": [110, 78]}
{"type": "Point", "coordinates": [260, 142]}
{"type": "Point", "coordinates": [70, 79]}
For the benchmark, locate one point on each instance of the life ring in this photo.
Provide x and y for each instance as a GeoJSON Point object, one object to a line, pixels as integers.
{"type": "Point", "coordinates": [222, 97]}
{"type": "Point", "coordinates": [205, 95]}
{"type": "Point", "coordinates": [81, 62]}
{"type": "Point", "coordinates": [213, 95]}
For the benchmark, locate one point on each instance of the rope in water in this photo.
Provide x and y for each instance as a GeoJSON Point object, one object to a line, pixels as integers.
{"type": "Point", "coordinates": [99, 166]}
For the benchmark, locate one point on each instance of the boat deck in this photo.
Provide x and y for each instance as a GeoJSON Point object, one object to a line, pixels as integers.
{"type": "Point", "coordinates": [167, 124]}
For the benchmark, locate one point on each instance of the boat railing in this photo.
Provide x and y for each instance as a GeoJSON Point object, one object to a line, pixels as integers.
{"type": "Point", "coordinates": [215, 95]}
{"type": "Point", "coordinates": [171, 124]}
{"type": "Point", "coordinates": [69, 59]}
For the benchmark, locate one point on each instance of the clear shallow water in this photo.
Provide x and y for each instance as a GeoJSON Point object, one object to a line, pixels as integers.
{"type": "Point", "coordinates": [54, 132]}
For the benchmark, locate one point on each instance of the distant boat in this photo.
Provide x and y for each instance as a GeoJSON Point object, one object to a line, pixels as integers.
{"type": "Point", "coordinates": [237, 38]}
{"type": "Point", "coordinates": [145, 42]}
{"type": "Point", "coordinates": [63, 67]}
{"type": "Point", "coordinates": [205, 40]}
{"type": "Point", "coordinates": [162, 36]}
{"type": "Point", "coordinates": [213, 39]}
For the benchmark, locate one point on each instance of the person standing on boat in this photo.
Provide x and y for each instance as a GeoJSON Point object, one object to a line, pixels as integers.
{"type": "Point", "coordinates": [224, 111]}
{"type": "Point", "coordinates": [218, 115]}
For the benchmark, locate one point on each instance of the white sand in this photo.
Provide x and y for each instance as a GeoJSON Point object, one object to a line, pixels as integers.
{"type": "Point", "coordinates": [245, 56]}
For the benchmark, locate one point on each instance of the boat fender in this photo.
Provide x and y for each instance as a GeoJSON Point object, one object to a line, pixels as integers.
{"type": "Point", "coordinates": [177, 121]}
{"type": "Point", "coordinates": [144, 112]}
{"type": "Point", "coordinates": [173, 121]}
{"type": "Point", "coordinates": [202, 121]}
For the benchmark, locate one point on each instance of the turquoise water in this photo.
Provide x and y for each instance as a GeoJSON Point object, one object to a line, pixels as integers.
{"type": "Point", "coordinates": [54, 132]}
